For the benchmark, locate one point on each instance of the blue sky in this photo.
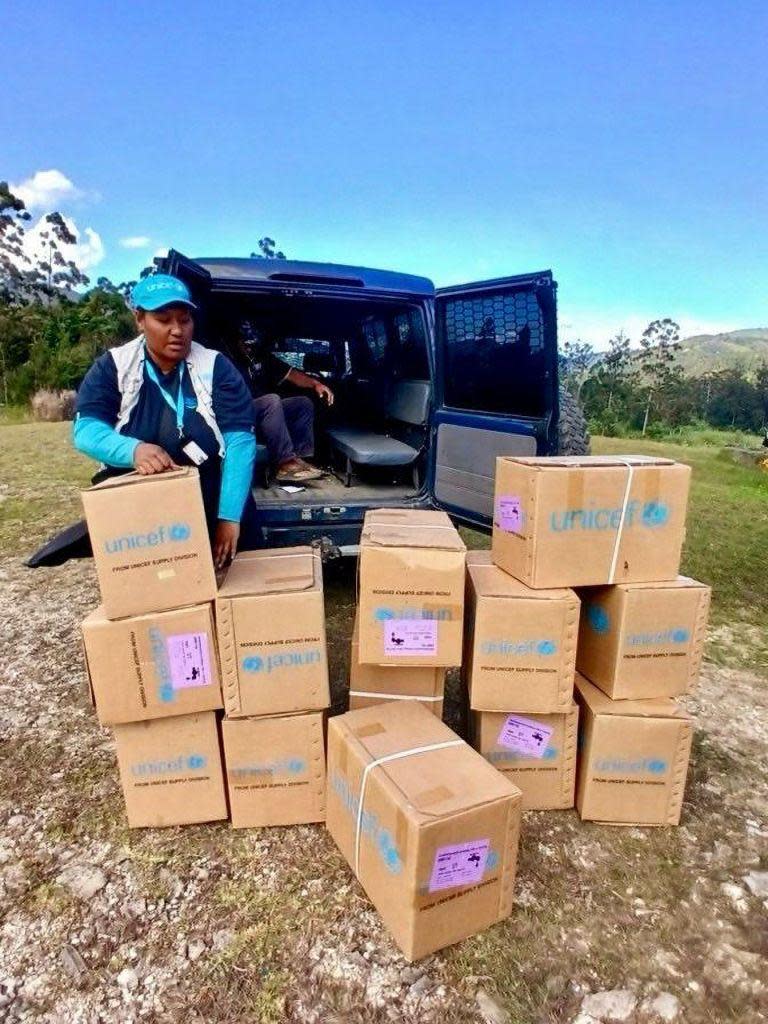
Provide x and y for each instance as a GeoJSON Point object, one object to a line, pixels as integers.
{"type": "Point", "coordinates": [622, 144]}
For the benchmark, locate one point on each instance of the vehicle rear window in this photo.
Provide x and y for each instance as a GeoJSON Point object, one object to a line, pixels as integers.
{"type": "Point", "coordinates": [412, 357]}
{"type": "Point", "coordinates": [495, 353]}
{"type": "Point", "coordinates": [375, 334]}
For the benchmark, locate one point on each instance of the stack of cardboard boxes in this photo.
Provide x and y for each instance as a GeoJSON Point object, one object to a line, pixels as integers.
{"type": "Point", "coordinates": [150, 646]}
{"type": "Point", "coordinates": [271, 627]}
{"type": "Point", "coordinates": [161, 666]}
{"type": "Point", "coordinates": [612, 528]}
{"type": "Point", "coordinates": [519, 667]}
{"type": "Point", "coordinates": [577, 615]}
{"type": "Point", "coordinates": [428, 827]}
{"type": "Point", "coordinates": [408, 626]}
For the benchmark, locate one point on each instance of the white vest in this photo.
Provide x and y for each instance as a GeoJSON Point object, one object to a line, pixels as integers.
{"type": "Point", "coordinates": [129, 360]}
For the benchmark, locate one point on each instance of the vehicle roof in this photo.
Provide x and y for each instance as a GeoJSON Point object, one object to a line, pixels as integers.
{"type": "Point", "coordinates": [223, 268]}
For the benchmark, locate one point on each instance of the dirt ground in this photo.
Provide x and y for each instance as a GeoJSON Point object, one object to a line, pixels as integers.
{"type": "Point", "coordinates": [205, 924]}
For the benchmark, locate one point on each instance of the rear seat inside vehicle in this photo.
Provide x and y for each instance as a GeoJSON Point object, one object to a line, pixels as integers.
{"type": "Point", "coordinates": [406, 414]}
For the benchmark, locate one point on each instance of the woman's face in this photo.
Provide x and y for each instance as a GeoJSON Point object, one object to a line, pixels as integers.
{"type": "Point", "coordinates": [168, 332]}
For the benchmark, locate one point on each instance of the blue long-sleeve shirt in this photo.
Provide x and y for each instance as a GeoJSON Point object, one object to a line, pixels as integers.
{"type": "Point", "coordinates": [225, 482]}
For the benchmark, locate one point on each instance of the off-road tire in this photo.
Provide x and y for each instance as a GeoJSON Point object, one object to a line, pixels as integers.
{"type": "Point", "coordinates": [572, 433]}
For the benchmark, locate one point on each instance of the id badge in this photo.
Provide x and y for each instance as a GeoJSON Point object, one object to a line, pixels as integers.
{"type": "Point", "coordinates": [194, 453]}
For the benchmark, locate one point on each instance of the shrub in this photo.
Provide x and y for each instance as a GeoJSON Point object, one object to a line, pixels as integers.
{"type": "Point", "coordinates": [53, 406]}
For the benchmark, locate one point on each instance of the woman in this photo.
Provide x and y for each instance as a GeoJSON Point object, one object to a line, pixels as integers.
{"type": "Point", "coordinates": [162, 401]}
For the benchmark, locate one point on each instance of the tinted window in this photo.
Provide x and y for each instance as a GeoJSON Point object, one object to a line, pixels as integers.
{"type": "Point", "coordinates": [375, 334]}
{"type": "Point", "coordinates": [495, 353]}
{"type": "Point", "coordinates": [412, 362]}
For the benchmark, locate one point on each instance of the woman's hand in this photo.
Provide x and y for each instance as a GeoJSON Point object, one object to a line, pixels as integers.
{"type": "Point", "coordinates": [225, 542]}
{"type": "Point", "coordinates": [323, 392]}
{"type": "Point", "coordinates": [151, 458]}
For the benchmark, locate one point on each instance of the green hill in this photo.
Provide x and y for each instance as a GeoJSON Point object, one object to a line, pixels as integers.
{"type": "Point", "coordinates": [743, 350]}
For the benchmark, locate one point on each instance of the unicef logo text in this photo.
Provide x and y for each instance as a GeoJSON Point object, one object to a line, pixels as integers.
{"type": "Point", "coordinates": [621, 766]}
{"type": "Point", "coordinates": [650, 514]}
{"type": "Point", "coordinates": [257, 663]}
{"type": "Point", "coordinates": [661, 638]}
{"type": "Point", "coordinates": [500, 756]}
{"type": "Point", "coordinates": [281, 766]}
{"type": "Point", "coordinates": [384, 614]}
{"type": "Point", "coordinates": [172, 766]}
{"type": "Point", "coordinates": [518, 648]}
{"type": "Point", "coordinates": [174, 533]}
{"type": "Point", "coordinates": [383, 841]}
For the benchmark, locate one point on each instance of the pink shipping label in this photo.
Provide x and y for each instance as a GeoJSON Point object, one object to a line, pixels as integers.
{"type": "Point", "coordinates": [410, 636]}
{"type": "Point", "coordinates": [188, 660]}
{"type": "Point", "coordinates": [462, 864]}
{"type": "Point", "coordinates": [525, 735]}
{"type": "Point", "coordinates": [509, 513]}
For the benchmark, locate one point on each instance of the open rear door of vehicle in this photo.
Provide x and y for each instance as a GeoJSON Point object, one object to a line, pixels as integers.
{"type": "Point", "coordinates": [495, 386]}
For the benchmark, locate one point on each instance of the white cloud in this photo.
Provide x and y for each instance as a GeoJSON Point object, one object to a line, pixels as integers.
{"type": "Point", "coordinates": [136, 242]}
{"type": "Point", "coordinates": [87, 252]}
{"type": "Point", "coordinates": [161, 252]}
{"type": "Point", "coordinates": [45, 190]}
{"type": "Point", "coordinates": [598, 327]}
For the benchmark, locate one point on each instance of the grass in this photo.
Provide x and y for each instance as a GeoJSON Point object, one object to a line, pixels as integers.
{"type": "Point", "coordinates": [726, 543]}
{"type": "Point", "coordinates": [693, 434]}
{"type": "Point", "coordinates": [14, 414]}
{"type": "Point", "coordinates": [40, 480]}
{"type": "Point", "coordinates": [595, 905]}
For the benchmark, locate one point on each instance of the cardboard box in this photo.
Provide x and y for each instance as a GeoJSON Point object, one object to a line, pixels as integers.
{"type": "Point", "coordinates": [270, 621]}
{"type": "Point", "coordinates": [411, 600]}
{"type": "Point", "coordinates": [535, 752]}
{"type": "Point", "coordinates": [360, 699]}
{"type": "Point", "coordinates": [633, 758]}
{"type": "Point", "coordinates": [152, 666]}
{"type": "Point", "coordinates": [640, 640]}
{"type": "Point", "coordinates": [170, 770]}
{"type": "Point", "coordinates": [150, 542]}
{"type": "Point", "coordinates": [428, 827]}
{"type": "Point", "coordinates": [275, 769]}
{"type": "Point", "coordinates": [520, 649]}
{"type": "Point", "coordinates": [377, 684]}
{"type": "Point", "coordinates": [585, 520]}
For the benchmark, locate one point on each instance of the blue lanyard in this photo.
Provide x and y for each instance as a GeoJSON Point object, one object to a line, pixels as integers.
{"type": "Point", "coordinates": [178, 405]}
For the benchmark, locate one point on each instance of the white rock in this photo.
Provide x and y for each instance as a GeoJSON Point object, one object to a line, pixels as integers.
{"type": "Point", "coordinates": [195, 949]}
{"type": "Point", "coordinates": [83, 880]}
{"type": "Point", "coordinates": [489, 1009]}
{"type": "Point", "coordinates": [617, 1004]}
{"type": "Point", "coordinates": [128, 980]}
{"type": "Point", "coordinates": [222, 939]}
{"type": "Point", "coordinates": [736, 895]}
{"type": "Point", "coordinates": [757, 883]}
{"type": "Point", "coordinates": [421, 986]}
{"type": "Point", "coordinates": [664, 1007]}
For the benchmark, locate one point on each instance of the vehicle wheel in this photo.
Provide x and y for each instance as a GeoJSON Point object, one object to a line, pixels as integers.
{"type": "Point", "coordinates": [572, 433]}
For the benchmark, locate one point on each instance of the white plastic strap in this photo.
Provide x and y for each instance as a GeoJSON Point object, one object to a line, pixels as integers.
{"type": "Point", "coordinates": [390, 696]}
{"type": "Point", "coordinates": [622, 518]}
{"type": "Point", "coordinates": [383, 760]}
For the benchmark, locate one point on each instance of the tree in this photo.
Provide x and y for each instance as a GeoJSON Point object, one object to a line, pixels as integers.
{"type": "Point", "coordinates": [575, 360]}
{"type": "Point", "coordinates": [13, 259]}
{"type": "Point", "coordinates": [26, 278]}
{"type": "Point", "coordinates": [659, 346]}
{"type": "Point", "coordinates": [267, 250]}
{"type": "Point", "coordinates": [616, 365]}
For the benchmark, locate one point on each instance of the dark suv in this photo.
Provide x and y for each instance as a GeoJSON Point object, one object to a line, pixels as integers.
{"type": "Point", "coordinates": [430, 384]}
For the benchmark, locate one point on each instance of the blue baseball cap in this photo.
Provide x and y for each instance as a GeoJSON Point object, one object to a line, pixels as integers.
{"type": "Point", "coordinates": [160, 290]}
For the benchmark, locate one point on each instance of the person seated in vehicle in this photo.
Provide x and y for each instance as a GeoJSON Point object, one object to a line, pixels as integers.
{"type": "Point", "coordinates": [285, 425]}
{"type": "Point", "coordinates": [162, 400]}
